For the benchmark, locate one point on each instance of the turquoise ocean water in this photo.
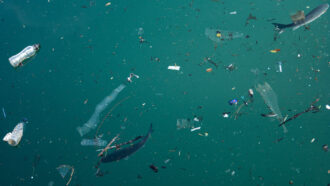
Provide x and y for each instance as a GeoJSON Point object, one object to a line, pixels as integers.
{"type": "Point", "coordinates": [89, 49]}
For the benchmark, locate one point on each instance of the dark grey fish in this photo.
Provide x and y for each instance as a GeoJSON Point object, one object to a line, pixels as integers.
{"type": "Point", "coordinates": [310, 17]}
{"type": "Point", "coordinates": [125, 152]}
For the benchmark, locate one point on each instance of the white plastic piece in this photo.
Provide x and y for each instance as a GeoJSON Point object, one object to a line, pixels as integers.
{"type": "Point", "coordinates": [174, 67]}
{"type": "Point", "coordinates": [13, 138]}
{"type": "Point", "coordinates": [193, 129]}
{"type": "Point", "coordinates": [280, 66]}
{"type": "Point", "coordinates": [327, 107]}
{"type": "Point", "coordinates": [233, 13]}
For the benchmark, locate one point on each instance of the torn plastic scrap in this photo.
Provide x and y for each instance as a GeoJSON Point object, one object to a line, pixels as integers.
{"type": "Point", "coordinates": [175, 67]}
{"type": "Point", "coordinates": [13, 138]}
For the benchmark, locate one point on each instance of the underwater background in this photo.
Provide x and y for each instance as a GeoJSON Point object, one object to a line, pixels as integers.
{"type": "Point", "coordinates": [89, 48]}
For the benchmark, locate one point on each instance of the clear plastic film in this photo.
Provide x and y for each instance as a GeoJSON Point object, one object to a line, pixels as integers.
{"type": "Point", "coordinates": [218, 35]}
{"type": "Point", "coordinates": [95, 118]}
{"type": "Point", "coordinates": [270, 98]}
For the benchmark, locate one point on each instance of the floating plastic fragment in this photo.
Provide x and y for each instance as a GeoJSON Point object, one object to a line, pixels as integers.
{"type": "Point", "coordinates": [233, 13]}
{"type": "Point", "coordinates": [274, 51]}
{"type": "Point", "coordinates": [131, 75]}
{"type": "Point", "coordinates": [233, 102]}
{"type": "Point", "coordinates": [219, 35]}
{"type": "Point", "coordinates": [251, 93]}
{"type": "Point", "coordinates": [93, 142]}
{"type": "Point", "coordinates": [209, 70]}
{"type": "Point", "coordinates": [4, 113]}
{"type": "Point", "coordinates": [327, 107]}
{"type": "Point", "coordinates": [280, 66]}
{"type": "Point", "coordinates": [182, 123]}
{"type": "Point", "coordinates": [64, 170]}
{"type": "Point", "coordinates": [194, 129]}
{"type": "Point", "coordinates": [270, 98]}
{"type": "Point", "coordinates": [13, 138]}
{"type": "Point", "coordinates": [225, 114]}
{"type": "Point", "coordinates": [175, 67]}
{"type": "Point", "coordinates": [93, 121]}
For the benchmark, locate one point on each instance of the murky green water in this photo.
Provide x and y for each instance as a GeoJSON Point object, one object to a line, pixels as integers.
{"type": "Point", "coordinates": [88, 49]}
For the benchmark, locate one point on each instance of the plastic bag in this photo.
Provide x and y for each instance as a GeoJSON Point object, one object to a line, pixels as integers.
{"type": "Point", "coordinates": [13, 138]}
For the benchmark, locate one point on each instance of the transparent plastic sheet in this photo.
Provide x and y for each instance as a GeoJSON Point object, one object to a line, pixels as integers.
{"type": "Point", "coordinates": [182, 124]}
{"type": "Point", "coordinates": [270, 98]}
{"type": "Point", "coordinates": [93, 142]}
{"type": "Point", "coordinates": [219, 35]}
{"type": "Point", "coordinates": [95, 118]}
{"type": "Point", "coordinates": [63, 170]}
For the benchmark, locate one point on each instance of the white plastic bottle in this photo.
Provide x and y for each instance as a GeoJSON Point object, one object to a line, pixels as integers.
{"type": "Point", "coordinates": [26, 53]}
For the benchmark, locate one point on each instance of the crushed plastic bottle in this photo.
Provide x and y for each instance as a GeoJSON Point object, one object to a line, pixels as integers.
{"type": "Point", "coordinates": [26, 53]}
{"type": "Point", "coordinates": [13, 138]}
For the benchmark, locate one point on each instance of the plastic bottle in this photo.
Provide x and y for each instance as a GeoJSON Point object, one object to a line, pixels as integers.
{"type": "Point", "coordinates": [26, 53]}
{"type": "Point", "coordinates": [13, 138]}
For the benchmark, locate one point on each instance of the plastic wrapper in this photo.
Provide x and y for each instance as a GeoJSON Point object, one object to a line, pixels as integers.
{"type": "Point", "coordinates": [13, 138]}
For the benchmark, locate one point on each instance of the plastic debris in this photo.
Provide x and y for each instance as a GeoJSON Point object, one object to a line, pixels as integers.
{"type": "Point", "coordinates": [280, 66]}
{"type": "Point", "coordinates": [194, 129]}
{"type": "Point", "coordinates": [230, 67]}
{"type": "Point", "coordinates": [233, 13]}
{"type": "Point", "coordinates": [233, 102]}
{"type": "Point", "coordinates": [64, 170]}
{"type": "Point", "coordinates": [312, 140]}
{"type": "Point", "coordinates": [93, 142]}
{"type": "Point", "coordinates": [225, 114]}
{"type": "Point", "coordinates": [167, 160]}
{"type": "Point", "coordinates": [4, 113]}
{"type": "Point", "coordinates": [94, 120]}
{"type": "Point", "coordinates": [26, 53]}
{"type": "Point", "coordinates": [175, 67]}
{"type": "Point", "coordinates": [270, 98]}
{"type": "Point", "coordinates": [274, 51]}
{"type": "Point", "coordinates": [13, 138]}
{"type": "Point", "coordinates": [219, 35]}
{"type": "Point", "coordinates": [108, 4]}
{"type": "Point", "coordinates": [209, 70]}
{"type": "Point", "coordinates": [131, 75]}
{"type": "Point", "coordinates": [153, 168]}
{"type": "Point", "coordinates": [251, 93]}
{"type": "Point", "coordinates": [325, 148]}
{"type": "Point", "coordinates": [327, 107]}
{"type": "Point", "coordinates": [182, 123]}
